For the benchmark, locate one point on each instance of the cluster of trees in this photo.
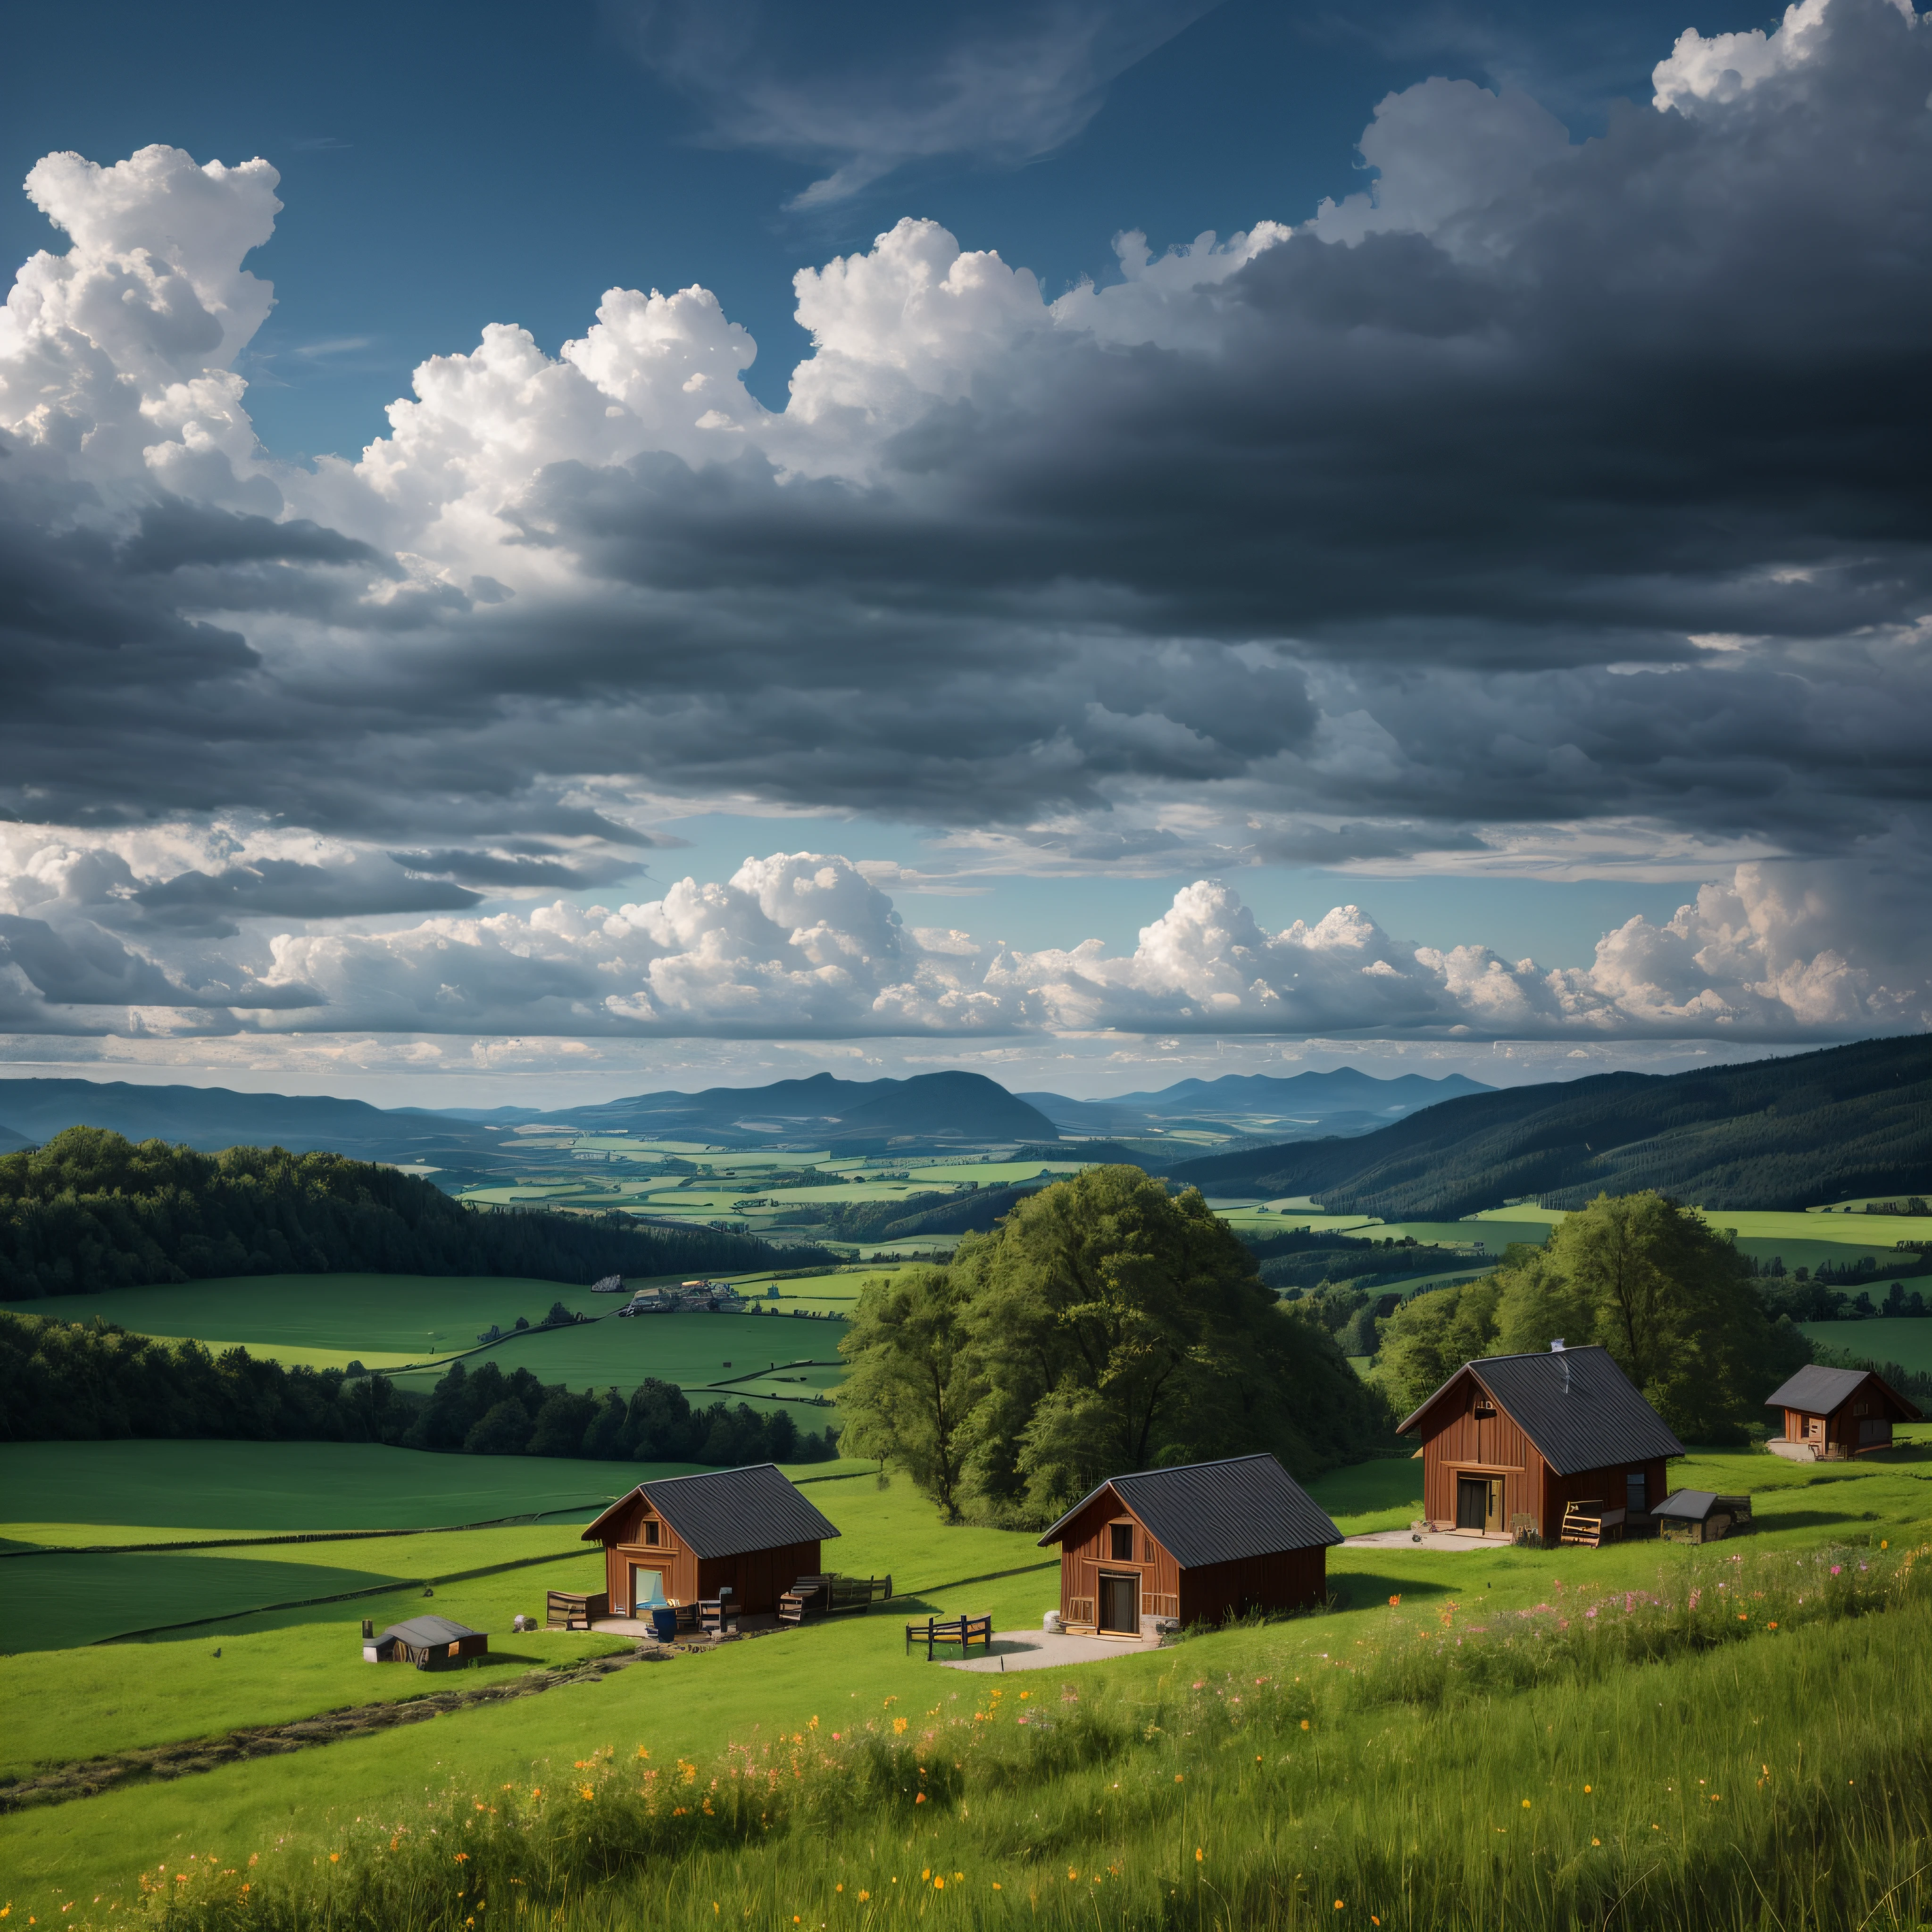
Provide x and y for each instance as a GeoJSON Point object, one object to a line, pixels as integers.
{"type": "Point", "coordinates": [1103, 1326]}
{"type": "Point", "coordinates": [1300, 1259]}
{"type": "Point", "coordinates": [967, 1209]}
{"type": "Point", "coordinates": [484, 1412]}
{"type": "Point", "coordinates": [1674, 1303]}
{"type": "Point", "coordinates": [73, 1382]}
{"type": "Point", "coordinates": [92, 1210]}
{"type": "Point", "coordinates": [68, 1381]}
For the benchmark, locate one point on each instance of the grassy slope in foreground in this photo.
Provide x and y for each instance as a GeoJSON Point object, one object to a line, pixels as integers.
{"type": "Point", "coordinates": [1596, 1755]}
{"type": "Point", "coordinates": [695, 1707]}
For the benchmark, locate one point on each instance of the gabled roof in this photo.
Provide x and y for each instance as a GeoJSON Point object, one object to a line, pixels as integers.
{"type": "Point", "coordinates": [1579, 1408]}
{"type": "Point", "coordinates": [729, 1512]}
{"type": "Point", "coordinates": [1819, 1391]}
{"type": "Point", "coordinates": [1218, 1512]}
{"type": "Point", "coordinates": [420, 1631]}
{"type": "Point", "coordinates": [1690, 1505]}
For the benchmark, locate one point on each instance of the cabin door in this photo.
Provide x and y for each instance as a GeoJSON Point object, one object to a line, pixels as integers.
{"type": "Point", "coordinates": [646, 1588]}
{"type": "Point", "coordinates": [1120, 1604]}
{"type": "Point", "coordinates": [1479, 1502]}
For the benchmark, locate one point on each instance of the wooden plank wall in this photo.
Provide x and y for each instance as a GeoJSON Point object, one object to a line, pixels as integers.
{"type": "Point", "coordinates": [1086, 1550]}
{"type": "Point", "coordinates": [758, 1577]}
{"type": "Point", "coordinates": [1457, 1441]}
{"type": "Point", "coordinates": [1284, 1579]}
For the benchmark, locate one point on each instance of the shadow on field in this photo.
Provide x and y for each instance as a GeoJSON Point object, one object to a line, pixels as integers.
{"type": "Point", "coordinates": [1362, 1589]}
{"type": "Point", "coordinates": [1809, 1518]}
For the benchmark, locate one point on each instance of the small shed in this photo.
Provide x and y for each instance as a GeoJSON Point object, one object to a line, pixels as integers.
{"type": "Point", "coordinates": [1701, 1515]}
{"type": "Point", "coordinates": [1832, 1413]}
{"type": "Point", "coordinates": [680, 1539]}
{"type": "Point", "coordinates": [1510, 1442]}
{"type": "Point", "coordinates": [1198, 1544]}
{"type": "Point", "coordinates": [425, 1642]}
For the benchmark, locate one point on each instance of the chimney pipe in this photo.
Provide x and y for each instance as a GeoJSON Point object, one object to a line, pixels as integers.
{"type": "Point", "coordinates": [1556, 1347]}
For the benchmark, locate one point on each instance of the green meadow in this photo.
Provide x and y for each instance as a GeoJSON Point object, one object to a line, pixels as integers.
{"type": "Point", "coordinates": [392, 1323]}
{"type": "Point", "coordinates": [1881, 1339]}
{"type": "Point", "coordinates": [78, 1700]}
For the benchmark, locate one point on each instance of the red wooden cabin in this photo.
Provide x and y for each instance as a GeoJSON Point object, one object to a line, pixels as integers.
{"type": "Point", "coordinates": [1511, 1441]}
{"type": "Point", "coordinates": [680, 1539]}
{"type": "Point", "coordinates": [1836, 1413]}
{"type": "Point", "coordinates": [1197, 1544]}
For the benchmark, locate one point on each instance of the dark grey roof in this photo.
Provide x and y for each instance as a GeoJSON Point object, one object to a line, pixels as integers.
{"type": "Point", "coordinates": [1580, 1410]}
{"type": "Point", "coordinates": [731, 1511]}
{"type": "Point", "coordinates": [421, 1630]}
{"type": "Point", "coordinates": [1218, 1512]}
{"type": "Point", "coordinates": [1693, 1505]}
{"type": "Point", "coordinates": [1819, 1391]}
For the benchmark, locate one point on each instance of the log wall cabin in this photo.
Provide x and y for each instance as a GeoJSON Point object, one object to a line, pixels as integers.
{"type": "Point", "coordinates": [1510, 1442]}
{"type": "Point", "coordinates": [1195, 1544]}
{"type": "Point", "coordinates": [1838, 1413]}
{"type": "Point", "coordinates": [681, 1539]}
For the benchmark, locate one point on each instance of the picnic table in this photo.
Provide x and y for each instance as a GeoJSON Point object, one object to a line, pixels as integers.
{"type": "Point", "coordinates": [964, 1630]}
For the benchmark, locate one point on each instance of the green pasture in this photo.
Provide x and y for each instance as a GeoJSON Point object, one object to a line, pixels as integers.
{"type": "Point", "coordinates": [694, 1351]}
{"type": "Point", "coordinates": [68, 1492]}
{"type": "Point", "coordinates": [1884, 1339]}
{"type": "Point", "coordinates": [695, 1706]}
{"type": "Point", "coordinates": [407, 1317]}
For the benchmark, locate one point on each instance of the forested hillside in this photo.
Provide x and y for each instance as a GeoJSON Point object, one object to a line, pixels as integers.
{"type": "Point", "coordinates": [1849, 1122]}
{"type": "Point", "coordinates": [91, 1210]}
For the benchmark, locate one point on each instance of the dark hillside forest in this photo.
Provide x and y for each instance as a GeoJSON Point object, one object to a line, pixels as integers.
{"type": "Point", "coordinates": [91, 1210]}
{"type": "Point", "coordinates": [67, 1382]}
{"type": "Point", "coordinates": [1850, 1122]}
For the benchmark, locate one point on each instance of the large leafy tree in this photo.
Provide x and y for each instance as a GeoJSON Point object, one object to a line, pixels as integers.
{"type": "Point", "coordinates": [1103, 1326]}
{"type": "Point", "coordinates": [1670, 1299]}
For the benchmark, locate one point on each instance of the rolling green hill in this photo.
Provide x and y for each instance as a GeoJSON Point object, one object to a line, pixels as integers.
{"type": "Point", "coordinates": [1815, 1127]}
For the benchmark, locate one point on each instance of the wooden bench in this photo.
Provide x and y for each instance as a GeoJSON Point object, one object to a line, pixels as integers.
{"type": "Point", "coordinates": [1590, 1526]}
{"type": "Point", "coordinates": [718, 1615]}
{"type": "Point", "coordinates": [575, 1609]}
{"type": "Point", "coordinates": [821, 1596]}
{"type": "Point", "coordinates": [964, 1631]}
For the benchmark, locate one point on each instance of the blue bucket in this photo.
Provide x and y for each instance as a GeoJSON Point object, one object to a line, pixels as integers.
{"type": "Point", "coordinates": [663, 1621]}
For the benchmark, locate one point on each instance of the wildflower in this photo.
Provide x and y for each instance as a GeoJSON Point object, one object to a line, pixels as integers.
{"type": "Point", "coordinates": [463, 1858]}
{"type": "Point", "coordinates": [996, 1884]}
{"type": "Point", "coordinates": [1394, 1600]}
{"type": "Point", "coordinates": [898, 1727]}
{"type": "Point", "coordinates": [939, 1885]}
{"type": "Point", "coordinates": [1199, 1855]}
{"type": "Point", "coordinates": [920, 1799]}
{"type": "Point", "coordinates": [1772, 1624]}
{"type": "Point", "coordinates": [864, 1897]}
{"type": "Point", "coordinates": [335, 1858]}
{"type": "Point", "coordinates": [1304, 1723]}
{"type": "Point", "coordinates": [1836, 1568]}
{"type": "Point", "coordinates": [1338, 1905]}
{"type": "Point", "coordinates": [1743, 1616]}
{"type": "Point", "coordinates": [1179, 1779]}
{"type": "Point", "coordinates": [1586, 1791]}
{"type": "Point", "coordinates": [1525, 1803]}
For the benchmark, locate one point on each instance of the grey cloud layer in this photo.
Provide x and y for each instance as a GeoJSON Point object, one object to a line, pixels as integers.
{"type": "Point", "coordinates": [1546, 487]}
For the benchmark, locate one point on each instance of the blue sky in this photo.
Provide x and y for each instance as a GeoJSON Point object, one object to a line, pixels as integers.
{"type": "Point", "coordinates": [1433, 559]}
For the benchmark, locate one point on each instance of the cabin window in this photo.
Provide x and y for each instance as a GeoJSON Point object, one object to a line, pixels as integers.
{"type": "Point", "coordinates": [1814, 1425]}
{"type": "Point", "coordinates": [1861, 1408]}
{"type": "Point", "coordinates": [1120, 1538]}
{"type": "Point", "coordinates": [651, 1531]}
{"type": "Point", "coordinates": [1637, 1493]}
{"type": "Point", "coordinates": [1484, 1409]}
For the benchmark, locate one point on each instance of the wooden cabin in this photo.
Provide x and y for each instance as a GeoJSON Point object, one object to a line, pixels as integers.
{"type": "Point", "coordinates": [1195, 1544]}
{"type": "Point", "coordinates": [1837, 1413]}
{"type": "Point", "coordinates": [1510, 1442]}
{"type": "Point", "coordinates": [425, 1642]}
{"type": "Point", "coordinates": [682, 1539]}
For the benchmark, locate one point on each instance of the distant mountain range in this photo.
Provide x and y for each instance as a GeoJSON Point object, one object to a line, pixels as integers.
{"type": "Point", "coordinates": [1816, 1127]}
{"type": "Point", "coordinates": [1275, 1108]}
{"type": "Point", "coordinates": [848, 1116]}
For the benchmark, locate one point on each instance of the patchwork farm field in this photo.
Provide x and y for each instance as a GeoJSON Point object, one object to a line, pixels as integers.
{"type": "Point", "coordinates": [329, 1321]}
{"type": "Point", "coordinates": [279, 1665]}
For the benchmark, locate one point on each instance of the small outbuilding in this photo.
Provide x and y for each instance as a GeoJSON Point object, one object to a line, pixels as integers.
{"type": "Point", "coordinates": [681, 1539]}
{"type": "Point", "coordinates": [1832, 1413]}
{"type": "Point", "coordinates": [425, 1642]}
{"type": "Point", "coordinates": [1701, 1515]}
{"type": "Point", "coordinates": [1198, 1543]}
{"type": "Point", "coordinates": [1510, 1442]}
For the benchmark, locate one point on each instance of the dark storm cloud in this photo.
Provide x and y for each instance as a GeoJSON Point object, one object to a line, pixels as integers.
{"type": "Point", "coordinates": [1358, 530]}
{"type": "Point", "coordinates": [208, 904]}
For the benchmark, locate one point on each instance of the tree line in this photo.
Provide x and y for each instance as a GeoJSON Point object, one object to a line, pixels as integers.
{"type": "Point", "coordinates": [92, 1210]}
{"type": "Point", "coordinates": [74, 1381]}
{"type": "Point", "coordinates": [1103, 1326]}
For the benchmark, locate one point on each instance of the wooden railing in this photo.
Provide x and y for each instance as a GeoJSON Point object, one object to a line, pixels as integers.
{"type": "Point", "coordinates": [813, 1597]}
{"type": "Point", "coordinates": [1157, 1604]}
{"type": "Point", "coordinates": [1080, 1611]}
